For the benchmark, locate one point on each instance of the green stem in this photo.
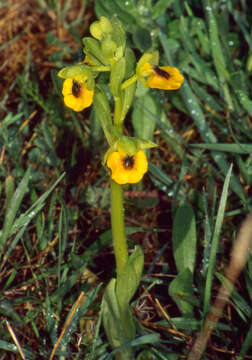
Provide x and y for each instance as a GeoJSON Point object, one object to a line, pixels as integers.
{"type": "Point", "coordinates": [118, 230]}
{"type": "Point", "coordinates": [117, 114]}
{"type": "Point", "coordinates": [129, 82]}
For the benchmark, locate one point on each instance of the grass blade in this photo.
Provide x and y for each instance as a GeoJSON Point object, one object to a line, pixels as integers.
{"type": "Point", "coordinates": [214, 246]}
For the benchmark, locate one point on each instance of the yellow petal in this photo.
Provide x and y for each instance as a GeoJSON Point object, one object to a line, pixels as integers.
{"type": "Point", "coordinates": [86, 97]}
{"type": "Point", "coordinates": [67, 87]}
{"type": "Point", "coordinates": [134, 176]}
{"type": "Point", "coordinates": [70, 101]}
{"type": "Point", "coordinates": [121, 177]}
{"type": "Point", "coordinates": [113, 160]}
{"type": "Point", "coordinates": [141, 163]}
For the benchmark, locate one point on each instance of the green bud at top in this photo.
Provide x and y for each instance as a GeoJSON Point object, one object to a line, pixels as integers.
{"type": "Point", "coordinates": [100, 29]}
{"type": "Point", "coordinates": [108, 47]}
{"type": "Point", "coordinates": [105, 25]}
{"type": "Point", "coordinates": [95, 30]}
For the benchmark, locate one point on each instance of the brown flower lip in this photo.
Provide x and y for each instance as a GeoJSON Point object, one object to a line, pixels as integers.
{"type": "Point", "coordinates": [161, 72]}
{"type": "Point", "coordinates": [76, 89]}
{"type": "Point", "coordinates": [128, 162]}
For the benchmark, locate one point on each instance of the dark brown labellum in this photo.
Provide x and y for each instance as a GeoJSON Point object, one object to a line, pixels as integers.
{"type": "Point", "coordinates": [128, 162]}
{"type": "Point", "coordinates": [161, 72]}
{"type": "Point", "coordinates": [76, 88]}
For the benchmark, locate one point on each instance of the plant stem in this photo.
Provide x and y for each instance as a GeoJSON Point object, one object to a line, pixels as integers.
{"type": "Point", "coordinates": [118, 122]}
{"type": "Point", "coordinates": [118, 230]}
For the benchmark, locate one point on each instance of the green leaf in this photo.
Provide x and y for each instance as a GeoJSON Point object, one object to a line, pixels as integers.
{"type": "Point", "coordinates": [129, 280]}
{"type": "Point", "coordinates": [116, 76]}
{"type": "Point", "coordinates": [181, 289]}
{"type": "Point", "coordinates": [118, 332]}
{"type": "Point", "coordinates": [184, 238]}
{"type": "Point", "coordinates": [160, 7]}
{"type": "Point", "coordinates": [102, 110]}
{"type": "Point", "coordinates": [144, 117]}
{"type": "Point", "coordinates": [92, 47]}
{"type": "Point", "coordinates": [72, 71]}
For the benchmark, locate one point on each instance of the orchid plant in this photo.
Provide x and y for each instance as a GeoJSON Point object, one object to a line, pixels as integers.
{"type": "Point", "coordinates": [125, 160]}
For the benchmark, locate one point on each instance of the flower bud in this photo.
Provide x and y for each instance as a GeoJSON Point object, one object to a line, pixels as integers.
{"type": "Point", "coordinates": [108, 47]}
{"type": "Point", "coordinates": [105, 25]}
{"type": "Point", "coordinates": [95, 30]}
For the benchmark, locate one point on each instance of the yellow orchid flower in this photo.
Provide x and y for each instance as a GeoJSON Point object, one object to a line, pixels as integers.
{"type": "Point", "coordinates": [127, 169]}
{"type": "Point", "coordinates": [163, 77]}
{"type": "Point", "coordinates": [76, 94]}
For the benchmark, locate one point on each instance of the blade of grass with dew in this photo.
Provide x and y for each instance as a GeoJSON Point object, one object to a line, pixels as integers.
{"type": "Point", "coordinates": [6, 346]}
{"type": "Point", "coordinates": [239, 303]}
{"type": "Point", "coordinates": [217, 54]}
{"type": "Point", "coordinates": [62, 231]}
{"type": "Point", "coordinates": [205, 97]}
{"type": "Point", "coordinates": [11, 211]}
{"type": "Point", "coordinates": [170, 135]}
{"type": "Point", "coordinates": [145, 339]}
{"type": "Point", "coordinates": [199, 119]}
{"type": "Point", "coordinates": [246, 344]}
{"type": "Point", "coordinates": [24, 220]}
{"type": "Point", "coordinates": [215, 239]}
{"type": "Point", "coordinates": [203, 72]}
{"type": "Point", "coordinates": [231, 148]}
{"type": "Point", "coordinates": [36, 206]}
{"type": "Point", "coordinates": [160, 7]}
{"type": "Point", "coordinates": [78, 314]}
{"type": "Point", "coordinates": [161, 179]}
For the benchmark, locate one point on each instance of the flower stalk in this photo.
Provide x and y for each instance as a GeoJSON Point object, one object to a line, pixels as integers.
{"type": "Point", "coordinates": [117, 225]}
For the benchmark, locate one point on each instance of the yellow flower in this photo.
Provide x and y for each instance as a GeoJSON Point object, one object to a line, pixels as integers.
{"type": "Point", "coordinates": [127, 169]}
{"type": "Point", "coordinates": [163, 77]}
{"type": "Point", "coordinates": [75, 92]}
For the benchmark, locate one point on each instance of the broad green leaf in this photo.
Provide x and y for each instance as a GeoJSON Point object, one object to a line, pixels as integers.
{"type": "Point", "coordinates": [181, 290]}
{"type": "Point", "coordinates": [119, 331]}
{"type": "Point", "coordinates": [102, 110]}
{"type": "Point", "coordinates": [72, 71]}
{"type": "Point", "coordinates": [116, 76]}
{"type": "Point", "coordinates": [144, 117]}
{"type": "Point", "coordinates": [129, 279]}
{"type": "Point", "coordinates": [184, 238]}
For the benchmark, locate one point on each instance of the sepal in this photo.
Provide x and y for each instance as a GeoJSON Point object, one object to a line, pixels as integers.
{"type": "Point", "coordinates": [92, 48]}
{"type": "Point", "coordinates": [76, 70]}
